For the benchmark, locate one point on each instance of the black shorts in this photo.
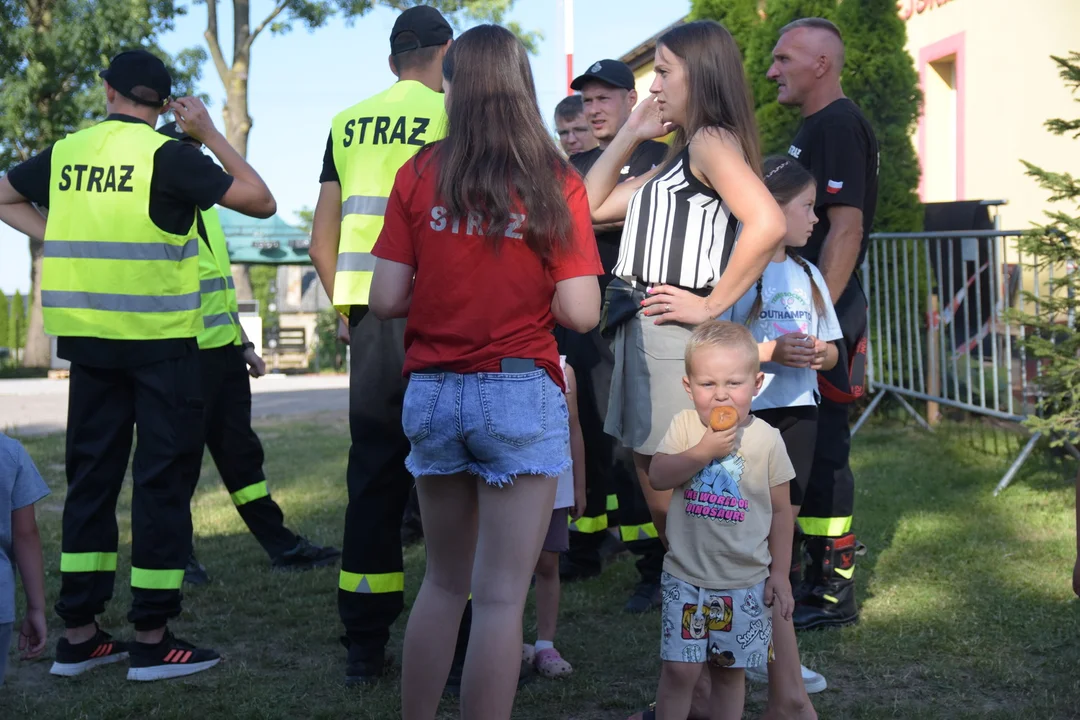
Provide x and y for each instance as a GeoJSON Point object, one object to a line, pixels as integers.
{"type": "Point", "coordinates": [798, 427]}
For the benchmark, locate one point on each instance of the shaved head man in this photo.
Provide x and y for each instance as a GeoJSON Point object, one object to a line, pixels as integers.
{"type": "Point", "coordinates": [836, 143]}
{"type": "Point", "coordinates": [807, 62]}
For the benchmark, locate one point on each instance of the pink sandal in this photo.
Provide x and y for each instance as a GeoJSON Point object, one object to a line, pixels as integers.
{"type": "Point", "coordinates": [550, 664]}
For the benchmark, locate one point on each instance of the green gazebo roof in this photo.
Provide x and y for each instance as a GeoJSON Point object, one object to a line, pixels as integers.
{"type": "Point", "coordinates": [270, 241]}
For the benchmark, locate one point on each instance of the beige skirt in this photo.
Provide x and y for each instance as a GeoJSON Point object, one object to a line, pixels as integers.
{"type": "Point", "coordinates": [646, 383]}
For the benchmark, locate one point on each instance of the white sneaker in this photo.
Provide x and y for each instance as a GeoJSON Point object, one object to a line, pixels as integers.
{"type": "Point", "coordinates": [814, 681]}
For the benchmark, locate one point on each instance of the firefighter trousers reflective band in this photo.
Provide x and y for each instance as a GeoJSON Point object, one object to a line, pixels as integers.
{"type": "Point", "coordinates": [372, 576]}
{"type": "Point", "coordinates": [236, 450]}
{"type": "Point", "coordinates": [829, 503]}
{"type": "Point", "coordinates": [164, 402]}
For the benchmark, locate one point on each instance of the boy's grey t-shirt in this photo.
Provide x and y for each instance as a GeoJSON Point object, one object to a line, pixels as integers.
{"type": "Point", "coordinates": [20, 485]}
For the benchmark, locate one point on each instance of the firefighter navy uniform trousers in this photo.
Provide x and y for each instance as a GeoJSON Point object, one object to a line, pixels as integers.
{"type": "Point", "coordinates": [226, 387]}
{"type": "Point", "coordinates": [368, 143]}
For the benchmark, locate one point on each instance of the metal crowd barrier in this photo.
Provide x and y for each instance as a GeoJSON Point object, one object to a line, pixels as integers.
{"type": "Point", "coordinates": [939, 329]}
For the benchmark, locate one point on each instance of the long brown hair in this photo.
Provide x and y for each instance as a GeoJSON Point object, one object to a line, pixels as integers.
{"type": "Point", "coordinates": [786, 179]}
{"type": "Point", "coordinates": [498, 158]}
{"type": "Point", "coordinates": [718, 94]}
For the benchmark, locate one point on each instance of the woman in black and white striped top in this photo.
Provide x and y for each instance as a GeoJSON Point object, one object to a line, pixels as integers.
{"type": "Point", "coordinates": [682, 221]}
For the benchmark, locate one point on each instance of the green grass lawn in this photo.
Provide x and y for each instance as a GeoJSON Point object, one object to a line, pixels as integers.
{"type": "Point", "coordinates": [967, 610]}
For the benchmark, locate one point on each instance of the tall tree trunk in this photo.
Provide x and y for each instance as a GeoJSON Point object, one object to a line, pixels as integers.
{"type": "Point", "coordinates": [38, 351]}
{"type": "Point", "coordinates": [234, 77]}
{"type": "Point", "coordinates": [237, 127]}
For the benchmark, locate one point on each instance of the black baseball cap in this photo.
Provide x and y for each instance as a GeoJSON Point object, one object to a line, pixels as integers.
{"type": "Point", "coordinates": [174, 131]}
{"type": "Point", "coordinates": [427, 26]}
{"type": "Point", "coordinates": [610, 72]}
{"type": "Point", "coordinates": [139, 68]}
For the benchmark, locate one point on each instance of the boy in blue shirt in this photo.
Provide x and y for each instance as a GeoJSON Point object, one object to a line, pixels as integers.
{"type": "Point", "coordinates": [20, 487]}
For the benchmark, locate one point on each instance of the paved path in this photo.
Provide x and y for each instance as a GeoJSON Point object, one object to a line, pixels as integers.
{"type": "Point", "coordinates": [38, 407]}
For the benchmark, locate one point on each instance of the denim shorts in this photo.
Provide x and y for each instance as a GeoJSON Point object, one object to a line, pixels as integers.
{"type": "Point", "coordinates": [494, 425]}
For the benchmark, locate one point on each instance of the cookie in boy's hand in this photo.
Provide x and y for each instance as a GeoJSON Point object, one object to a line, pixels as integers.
{"type": "Point", "coordinates": [723, 418]}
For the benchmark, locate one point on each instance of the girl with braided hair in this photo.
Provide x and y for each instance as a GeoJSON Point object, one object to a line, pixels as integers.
{"type": "Point", "coordinates": [790, 314]}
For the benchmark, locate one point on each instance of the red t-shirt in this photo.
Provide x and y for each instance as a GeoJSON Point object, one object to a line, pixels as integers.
{"type": "Point", "coordinates": [471, 307]}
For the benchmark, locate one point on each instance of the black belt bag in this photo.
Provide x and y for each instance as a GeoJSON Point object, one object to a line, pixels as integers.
{"type": "Point", "coordinates": [621, 302]}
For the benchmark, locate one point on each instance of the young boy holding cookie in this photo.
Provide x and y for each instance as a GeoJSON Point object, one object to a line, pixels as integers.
{"type": "Point", "coordinates": [729, 524]}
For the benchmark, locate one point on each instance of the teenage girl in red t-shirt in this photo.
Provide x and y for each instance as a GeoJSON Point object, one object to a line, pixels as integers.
{"type": "Point", "coordinates": [487, 243]}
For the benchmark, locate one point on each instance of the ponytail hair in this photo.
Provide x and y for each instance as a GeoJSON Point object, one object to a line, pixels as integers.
{"type": "Point", "coordinates": [786, 179]}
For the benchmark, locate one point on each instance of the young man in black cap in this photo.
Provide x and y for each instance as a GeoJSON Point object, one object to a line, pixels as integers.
{"type": "Point", "coordinates": [358, 173]}
{"type": "Point", "coordinates": [120, 290]}
{"type": "Point", "coordinates": [227, 363]}
{"type": "Point", "coordinates": [608, 94]}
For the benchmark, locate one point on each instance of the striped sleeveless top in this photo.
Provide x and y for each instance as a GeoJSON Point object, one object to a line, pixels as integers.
{"type": "Point", "coordinates": [678, 231]}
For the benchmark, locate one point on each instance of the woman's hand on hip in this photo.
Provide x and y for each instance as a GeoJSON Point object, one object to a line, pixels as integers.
{"type": "Point", "coordinates": [668, 304]}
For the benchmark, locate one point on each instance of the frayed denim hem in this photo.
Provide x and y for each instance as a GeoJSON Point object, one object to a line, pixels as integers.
{"type": "Point", "coordinates": [505, 479]}
{"type": "Point", "coordinates": [493, 479]}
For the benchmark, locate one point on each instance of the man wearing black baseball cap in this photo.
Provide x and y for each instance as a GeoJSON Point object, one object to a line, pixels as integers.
{"type": "Point", "coordinates": [607, 89]}
{"type": "Point", "coordinates": [368, 143]}
{"type": "Point", "coordinates": [120, 290]}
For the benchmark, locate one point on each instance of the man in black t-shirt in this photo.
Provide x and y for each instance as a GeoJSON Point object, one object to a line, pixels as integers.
{"type": "Point", "coordinates": [131, 365]}
{"type": "Point", "coordinates": [836, 143]}
{"type": "Point", "coordinates": [608, 95]}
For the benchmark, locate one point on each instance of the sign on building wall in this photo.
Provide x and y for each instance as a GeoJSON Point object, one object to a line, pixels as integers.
{"type": "Point", "coordinates": [908, 8]}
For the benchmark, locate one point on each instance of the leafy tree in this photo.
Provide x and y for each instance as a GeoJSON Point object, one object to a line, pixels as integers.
{"type": "Point", "coordinates": [50, 54]}
{"type": "Point", "coordinates": [281, 17]}
{"type": "Point", "coordinates": [740, 17]}
{"type": "Point", "coordinates": [879, 75]}
{"type": "Point", "coordinates": [1055, 339]}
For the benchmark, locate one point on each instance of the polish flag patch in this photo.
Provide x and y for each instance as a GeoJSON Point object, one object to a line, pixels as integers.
{"type": "Point", "coordinates": [834, 186]}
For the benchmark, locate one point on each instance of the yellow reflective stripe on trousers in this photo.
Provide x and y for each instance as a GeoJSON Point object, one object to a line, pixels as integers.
{"type": "Point", "coordinates": [156, 579]}
{"type": "Point", "coordinates": [846, 574]}
{"type": "Point", "coordinates": [252, 492]}
{"type": "Point", "coordinates": [590, 524]}
{"type": "Point", "coordinates": [825, 527]}
{"type": "Point", "coordinates": [612, 503]}
{"type": "Point", "coordinates": [88, 562]}
{"type": "Point", "coordinates": [372, 583]}
{"type": "Point", "coordinates": [630, 533]}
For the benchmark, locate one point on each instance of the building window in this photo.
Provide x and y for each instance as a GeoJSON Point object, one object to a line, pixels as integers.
{"type": "Point", "coordinates": [941, 127]}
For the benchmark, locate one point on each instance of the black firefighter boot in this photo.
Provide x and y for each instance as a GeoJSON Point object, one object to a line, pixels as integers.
{"type": "Point", "coordinates": [830, 601]}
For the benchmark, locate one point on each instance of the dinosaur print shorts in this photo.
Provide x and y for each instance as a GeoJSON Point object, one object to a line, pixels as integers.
{"type": "Point", "coordinates": [726, 628]}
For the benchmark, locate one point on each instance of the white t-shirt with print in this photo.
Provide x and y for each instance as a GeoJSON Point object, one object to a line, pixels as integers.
{"type": "Point", "coordinates": [564, 492]}
{"type": "Point", "coordinates": [787, 306]}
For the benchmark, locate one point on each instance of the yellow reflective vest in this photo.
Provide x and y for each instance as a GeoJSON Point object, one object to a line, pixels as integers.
{"type": "Point", "coordinates": [220, 313]}
{"type": "Point", "coordinates": [109, 272]}
{"type": "Point", "coordinates": [371, 141]}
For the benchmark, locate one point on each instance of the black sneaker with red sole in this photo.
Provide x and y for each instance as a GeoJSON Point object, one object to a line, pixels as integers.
{"type": "Point", "coordinates": [170, 658]}
{"type": "Point", "coordinates": [76, 659]}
